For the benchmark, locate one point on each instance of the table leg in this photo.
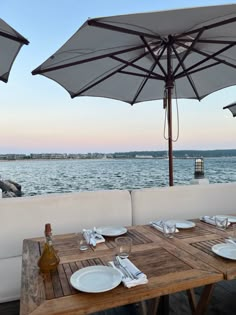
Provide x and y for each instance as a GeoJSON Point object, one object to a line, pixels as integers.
{"type": "Point", "coordinates": [192, 299]}
{"type": "Point", "coordinates": [204, 299]}
{"type": "Point", "coordinates": [149, 307]}
{"type": "Point", "coordinates": [163, 307]}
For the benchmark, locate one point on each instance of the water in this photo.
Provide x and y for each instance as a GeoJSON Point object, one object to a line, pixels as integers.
{"type": "Point", "coordinates": [60, 176]}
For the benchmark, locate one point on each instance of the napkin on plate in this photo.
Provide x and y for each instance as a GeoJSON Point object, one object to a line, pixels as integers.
{"type": "Point", "coordinates": [92, 237]}
{"type": "Point", "coordinates": [158, 226]}
{"type": "Point", "coordinates": [127, 281]}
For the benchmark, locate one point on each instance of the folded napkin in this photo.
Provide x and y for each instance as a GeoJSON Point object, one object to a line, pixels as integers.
{"type": "Point", "coordinates": [128, 281]}
{"type": "Point", "coordinates": [158, 226]}
{"type": "Point", "coordinates": [92, 237]}
{"type": "Point", "coordinates": [209, 219]}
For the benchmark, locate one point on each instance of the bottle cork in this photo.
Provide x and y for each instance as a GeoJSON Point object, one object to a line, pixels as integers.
{"type": "Point", "coordinates": [48, 229]}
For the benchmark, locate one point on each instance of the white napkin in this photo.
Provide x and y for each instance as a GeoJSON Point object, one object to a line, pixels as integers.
{"type": "Point", "coordinates": [128, 282]}
{"type": "Point", "coordinates": [209, 219]}
{"type": "Point", "coordinates": [158, 226]}
{"type": "Point", "coordinates": [92, 237]}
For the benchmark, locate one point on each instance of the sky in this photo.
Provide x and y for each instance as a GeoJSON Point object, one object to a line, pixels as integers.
{"type": "Point", "coordinates": [37, 115]}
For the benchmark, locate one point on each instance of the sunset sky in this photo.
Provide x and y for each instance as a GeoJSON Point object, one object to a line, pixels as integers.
{"type": "Point", "coordinates": [37, 115]}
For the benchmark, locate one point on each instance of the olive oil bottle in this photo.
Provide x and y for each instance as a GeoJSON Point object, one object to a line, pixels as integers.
{"type": "Point", "coordinates": [49, 259]}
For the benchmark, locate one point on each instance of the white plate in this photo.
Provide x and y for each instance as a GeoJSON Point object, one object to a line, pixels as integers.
{"type": "Point", "coordinates": [95, 279]}
{"type": "Point", "coordinates": [111, 230]}
{"type": "Point", "coordinates": [183, 224]}
{"type": "Point", "coordinates": [225, 250]}
{"type": "Point", "coordinates": [231, 218]}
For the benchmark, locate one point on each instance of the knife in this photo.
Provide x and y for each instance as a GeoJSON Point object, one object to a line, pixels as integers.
{"type": "Point", "coordinates": [123, 265]}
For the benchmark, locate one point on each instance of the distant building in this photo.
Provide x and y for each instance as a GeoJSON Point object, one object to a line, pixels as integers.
{"type": "Point", "coordinates": [143, 156]}
{"type": "Point", "coordinates": [11, 157]}
{"type": "Point", "coordinates": [48, 156]}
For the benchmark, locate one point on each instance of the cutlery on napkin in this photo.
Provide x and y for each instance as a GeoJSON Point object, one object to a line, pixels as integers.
{"type": "Point", "coordinates": [209, 219]}
{"type": "Point", "coordinates": [131, 275]}
{"type": "Point", "coordinates": [158, 225]}
{"type": "Point", "coordinates": [92, 237]}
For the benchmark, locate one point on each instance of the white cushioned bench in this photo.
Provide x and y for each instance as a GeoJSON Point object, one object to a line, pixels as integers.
{"type": "Point", "coordinates": [25, 217]}
{"type": "Point", "coordinates": [182, 202]}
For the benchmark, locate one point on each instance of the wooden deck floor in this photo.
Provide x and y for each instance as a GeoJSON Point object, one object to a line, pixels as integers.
{"type": "Point", "coordinates": [223, 302]}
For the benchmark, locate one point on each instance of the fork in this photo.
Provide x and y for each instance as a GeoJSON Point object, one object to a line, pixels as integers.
{"type": "Point", "coordinates": [123, 267]}
{"type": "Point", "coordinates": [118, 266]}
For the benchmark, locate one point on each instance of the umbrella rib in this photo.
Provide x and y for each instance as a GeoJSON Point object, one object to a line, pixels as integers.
{"type": "Point", "coordinates": [137, 67]}
{"type": "Point", "coordinates": [208, 57]}
{"type": "Point", "coordinates": [78, 62]}
{"type": "Point", "coordinates": [214, 58]}
{"type": "Point", "coordinates": [153, 55]}
{"type": "Point", "coordinates": [207, 41]}
{"type": "Point", "coordinates": [207, 27]}
{"type": "Point", "coordinates": [121, 29]}
{"type": "Point", "coordinates": [97, 82]}
{"type": "Point", "coordinates": [187, 52]}
{"type": "Point", "coordinates": [232, 108]}
{"type": "Point", "coordinates": [231, 105]}
{"type": "Point", "coordinates": [139, 75]}
{"type": "Point", "coordinates": [181, 63]}
{"type": "Point", "coordinates": [20, 39]}
{"type": "Point", "coordinates": [199, 69]}
{"type": "Point", "coordinates": [104, 78]}
{"type": "Point", "coordinates": [143, 83]}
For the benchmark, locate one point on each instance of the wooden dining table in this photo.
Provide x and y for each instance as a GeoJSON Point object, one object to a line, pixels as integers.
{"type": "Point", "coordinates": [171, 265]}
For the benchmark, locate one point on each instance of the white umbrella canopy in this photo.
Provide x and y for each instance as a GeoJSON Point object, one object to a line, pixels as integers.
{"type": "Point", "coordinates": [10, 44]}
{"type": "Point", "coordinates": [142, 57]}
{"type": "Point", "coordinates": [231, 108]}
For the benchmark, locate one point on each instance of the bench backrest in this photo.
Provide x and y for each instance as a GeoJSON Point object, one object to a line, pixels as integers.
{"type": "Point", "coordinates": [182, 202]}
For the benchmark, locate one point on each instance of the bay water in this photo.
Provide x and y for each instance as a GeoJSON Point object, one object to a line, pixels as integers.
{"type": "Point", "coordinates": [60, 176]}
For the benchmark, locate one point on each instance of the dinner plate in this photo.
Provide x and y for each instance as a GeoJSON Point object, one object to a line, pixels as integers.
{"type": "Point", "coordinates": [95, 279]}
{"type": "Point", "coordinates": [111, 230]}
{"type": "Point", "coordinates": [183, 224]}
{"type": "Point", "coordinates": [225, 250]}
{"type": "Point", "coordinates": [231, 218]}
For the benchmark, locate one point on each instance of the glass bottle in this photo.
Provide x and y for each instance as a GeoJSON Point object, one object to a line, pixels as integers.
{"type": "Point", "coordinates": [49, 259]}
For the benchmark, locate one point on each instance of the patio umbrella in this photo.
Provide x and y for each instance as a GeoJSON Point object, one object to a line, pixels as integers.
{"type": "Point", "coordinates": [232, 108]}
{"type": "Point", "coordinates": [141, 57]}
{"type": "Point", "coordinates": [10, 44]}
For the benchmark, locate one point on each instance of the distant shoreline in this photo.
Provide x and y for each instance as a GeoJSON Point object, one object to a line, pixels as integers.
{"type": "Point", "coordinates": [112, 159]}
{"type": "Point", "coordinates": [178, 154]}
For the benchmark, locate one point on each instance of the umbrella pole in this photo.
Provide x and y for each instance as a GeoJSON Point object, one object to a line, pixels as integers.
{"type": "Point", "coordinates": [170, 144]}
{"type": "Point", "coordinates": [169, 87]}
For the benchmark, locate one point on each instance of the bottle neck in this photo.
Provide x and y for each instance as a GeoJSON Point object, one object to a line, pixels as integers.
{"type": "Point", "coordinates": [48, 233]}
{"type": "Point", "coordinates": [49, 239]}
